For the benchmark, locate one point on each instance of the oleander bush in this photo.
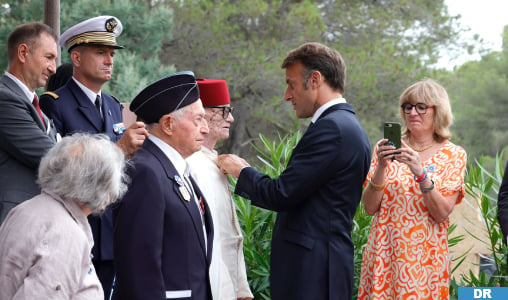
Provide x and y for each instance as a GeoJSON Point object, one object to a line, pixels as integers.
{"type": "Point", "coordinates": [483, 184]}
{"type": "Point", "coordinates": [257, 223]}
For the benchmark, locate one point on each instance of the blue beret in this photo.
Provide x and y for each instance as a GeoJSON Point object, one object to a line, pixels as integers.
{"type": "Point", "coordinates": [165, 96]}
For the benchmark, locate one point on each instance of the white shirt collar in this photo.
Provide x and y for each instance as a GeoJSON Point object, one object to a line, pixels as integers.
{"type": "Point", "coordinates": [29, 94]}
{"type": "Point", "coordinates": [178, 162]}
{"type": "Point", "coordinates": [88, 92]}
{"type": "Point", "coordinates": [325, 106]}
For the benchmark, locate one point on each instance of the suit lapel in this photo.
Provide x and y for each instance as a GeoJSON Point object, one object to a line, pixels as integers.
{"type": "Point", "coordinates": [85, 106]}
{"type": "Point", "coordinates": [207, 219]}
{"type": "Point", "coordinates": [9, 83]}
{"type": "Point", "coordinates": [171, 173]}
{"type": "Point", "coordinates": [106, 112]}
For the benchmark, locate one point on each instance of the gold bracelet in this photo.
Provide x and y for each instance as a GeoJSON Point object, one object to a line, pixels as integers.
{"type": "Point", "coordinates": [377, 187]}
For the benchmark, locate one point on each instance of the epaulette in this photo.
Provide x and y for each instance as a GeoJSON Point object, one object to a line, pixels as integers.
{"type": "Point", "coordinates": [115, 99]}
{"type": "Point", "coordinates": [51, 94]}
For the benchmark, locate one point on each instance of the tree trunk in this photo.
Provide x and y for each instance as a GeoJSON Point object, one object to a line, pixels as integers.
{"type": "Point", "coordinates": [52, 19]}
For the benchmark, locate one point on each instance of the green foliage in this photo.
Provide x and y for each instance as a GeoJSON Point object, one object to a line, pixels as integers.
{"type": "Point", "coordinates": [479, 95]}
{"type": "Point", "coordinates": [360, 235]}
{"type": "Point", "coordinates": [257, 223]}
{"type": "Point", "coordinates": [244, 43]}
{"type": "Point", "coordinates": [484, 185]}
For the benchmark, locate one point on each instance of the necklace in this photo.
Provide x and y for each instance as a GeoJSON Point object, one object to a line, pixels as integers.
{"type": "Point", "coordinates": [423, 148]}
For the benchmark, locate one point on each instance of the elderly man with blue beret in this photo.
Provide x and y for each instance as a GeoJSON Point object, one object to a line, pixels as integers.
{"type": "Point", "coordinates": [163, 226]}
{"type": "Point", "coordinates": [80, 105]}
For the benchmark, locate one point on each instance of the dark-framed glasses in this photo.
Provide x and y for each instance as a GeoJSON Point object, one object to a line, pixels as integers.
{"type": "Point", "coordinates": [421, 108]}
{"type": "Point", "coordinates": [226, 110]}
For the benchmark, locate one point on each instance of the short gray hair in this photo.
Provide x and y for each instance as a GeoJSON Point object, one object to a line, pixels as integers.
{"type": "Point", "coordinates": [86, 169]}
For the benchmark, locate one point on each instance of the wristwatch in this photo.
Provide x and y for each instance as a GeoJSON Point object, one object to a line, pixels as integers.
{"type": "Point", "coordinates": [427, 189]}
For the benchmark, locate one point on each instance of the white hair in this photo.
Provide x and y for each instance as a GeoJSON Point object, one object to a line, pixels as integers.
{"type": "Point", "coordinates": [86, 169]}
{"type": "Point", "coordinates": [179, 113]}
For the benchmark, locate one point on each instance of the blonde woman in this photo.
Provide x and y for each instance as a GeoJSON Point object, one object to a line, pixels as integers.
{"type": "Point", "coordinates": [411, 198]}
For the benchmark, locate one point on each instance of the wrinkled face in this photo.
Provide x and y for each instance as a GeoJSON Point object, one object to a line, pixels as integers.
{"type": "Point", "coordinates": [40, 62]}
{"type": "Point", "coordinates": [188, 130]}
{"type": "Point", "coordinates": [217, 125]}
{"type": "Point", "coordinates": [303, 99]}
{"type": "Point", "coordinates": [420, 122]}
{"type": "Point", "coordinates": [95, 62]}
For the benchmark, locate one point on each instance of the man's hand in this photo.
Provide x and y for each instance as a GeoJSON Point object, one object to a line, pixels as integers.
{"type": "Point", "coordinates": [231, 164]}
{"type": "Point", "coordinates": [132, 139]}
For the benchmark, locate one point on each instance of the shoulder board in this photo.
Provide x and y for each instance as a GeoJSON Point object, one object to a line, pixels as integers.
{"type": "Point", "coordinates": [115, 98]}
{"type": "Point", "coordinates": [51, 94]}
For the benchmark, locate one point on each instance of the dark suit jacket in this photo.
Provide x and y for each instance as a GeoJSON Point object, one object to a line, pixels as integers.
{"type": "Point", "coordinates": [23, 142]}
{"type": "Point", "coordinates": [73, 112]}
{"type": "Point", "coordinates": [159, 240]}
{"type": "Point", "coordinates": [502, 204]}
{"type": "Point", "coordinates": [316, 198]}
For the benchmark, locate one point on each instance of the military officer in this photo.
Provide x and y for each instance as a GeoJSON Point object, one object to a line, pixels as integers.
{"type": "Point", "coordinates": [80, 105]}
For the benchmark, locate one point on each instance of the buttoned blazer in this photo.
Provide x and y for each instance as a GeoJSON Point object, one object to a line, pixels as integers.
{"type": "Point", "coordinates": [73, 112]}
{"type": "Point", "coordinates": [158, 239]}
{"type": "Point", "coordinates": [502, 204]}
{"type": "Point", "coordinates": [316, 198]}
{"type": "Point", "coordinates": [23, 141]}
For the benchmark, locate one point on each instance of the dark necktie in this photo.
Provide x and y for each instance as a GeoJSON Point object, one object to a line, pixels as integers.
{"type": "Point", "coordinates": [98, 105]}
{"type": "Point", "coordinates": [35, 103]}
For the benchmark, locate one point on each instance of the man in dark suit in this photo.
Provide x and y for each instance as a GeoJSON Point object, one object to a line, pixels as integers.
{"type": "Point", "coordinates": [26, 134]}
{"type": "Point", "coordinates": [81, 106]}
{"type": "Point", "coordinates": [317, 194]}
{"type": "Point", "coordinates": [163, 227]}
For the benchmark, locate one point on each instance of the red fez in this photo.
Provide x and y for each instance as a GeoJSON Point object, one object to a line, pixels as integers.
{"type": "Point", "coordinates": [213, 92]}
{"type": "Point", "coordinates": [165, 96]}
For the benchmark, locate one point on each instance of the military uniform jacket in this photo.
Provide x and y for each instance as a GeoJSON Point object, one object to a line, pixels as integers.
{"type": "Point", "coordinates": [23, 141]}
{"type": "Point", "coordinates": [316, 198]}
{"type": "Point", "coordinates": [159, 242]}
{"type": "Point", "coordinates": [72, 111]}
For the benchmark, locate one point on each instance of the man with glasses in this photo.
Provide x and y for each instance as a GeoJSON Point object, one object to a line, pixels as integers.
{"type": "Point", "coordinates": [228, 276]}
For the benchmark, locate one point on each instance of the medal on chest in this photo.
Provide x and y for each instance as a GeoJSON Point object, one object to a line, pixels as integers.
{"type": "Point", "coordinates": [182, 188]}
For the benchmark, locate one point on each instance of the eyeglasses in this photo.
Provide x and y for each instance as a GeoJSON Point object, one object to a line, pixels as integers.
{"type": "Point", "coordinates": [421, 108]}
{"type": "Point", "coordinates": [226, 110]}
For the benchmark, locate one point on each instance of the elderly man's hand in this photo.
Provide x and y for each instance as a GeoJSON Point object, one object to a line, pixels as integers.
{"type": "Point", "coordinates": [133, 138]}
{"type": "Point", "coordinates": [231, 164]}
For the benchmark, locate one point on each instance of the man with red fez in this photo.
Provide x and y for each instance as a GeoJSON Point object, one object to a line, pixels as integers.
{"type": "Point", "coordinates": [163, 234]}
{"type": "Point", "coordinates": [228, 276]}
{"type": "Point", "coordinates": [81, 106]}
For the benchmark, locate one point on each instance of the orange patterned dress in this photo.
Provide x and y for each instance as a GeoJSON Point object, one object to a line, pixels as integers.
{"type": "Point", "coordinates": [406, 256]}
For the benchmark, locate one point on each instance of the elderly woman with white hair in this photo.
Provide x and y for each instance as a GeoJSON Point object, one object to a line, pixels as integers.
{"type": "Point", "coordinates": [46, 242]}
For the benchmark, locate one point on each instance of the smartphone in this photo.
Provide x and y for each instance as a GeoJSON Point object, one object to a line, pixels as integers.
{"type": "Point", "coordinates": [392, 133]}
